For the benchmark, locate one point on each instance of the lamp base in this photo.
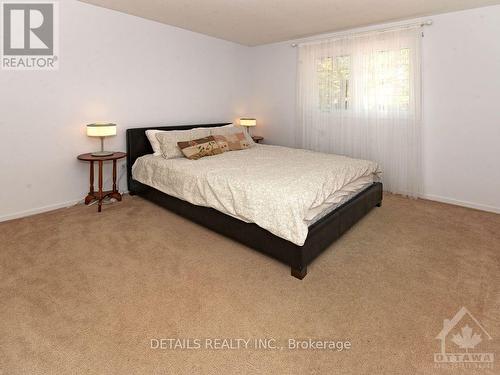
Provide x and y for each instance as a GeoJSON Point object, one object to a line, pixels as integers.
{"type": "Point", "coordinates": [102, 153]}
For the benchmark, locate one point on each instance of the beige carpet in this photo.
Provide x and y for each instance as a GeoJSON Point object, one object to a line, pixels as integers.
{"type": "Point", "coordinates": [82, 293]}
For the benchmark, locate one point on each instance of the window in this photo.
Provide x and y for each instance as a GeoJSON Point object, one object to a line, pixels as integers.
{"type": "Point", "coordinates": [387, 87]}
{"type": "Point", "coordinates": [360, 95]}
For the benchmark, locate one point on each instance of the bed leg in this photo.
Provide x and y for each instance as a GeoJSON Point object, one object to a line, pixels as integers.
{"type": "Point", "coordinates": [379, 204]}
{"type": "Point", "coordinates": [299, 273]}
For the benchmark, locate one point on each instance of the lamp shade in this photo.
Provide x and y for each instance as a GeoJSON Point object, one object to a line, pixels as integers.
{"type": "Point", "coordinates": [248, 122]}
{"type": "Point", "coordinates": [101, 130]}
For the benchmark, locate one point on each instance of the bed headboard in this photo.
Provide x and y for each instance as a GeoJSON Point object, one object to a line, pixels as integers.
{"type": "Point", "coordinates": [138, 144]}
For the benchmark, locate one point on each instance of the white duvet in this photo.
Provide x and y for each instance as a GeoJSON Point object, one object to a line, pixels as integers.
{"type": "Point", "coordinates": [280, 189]}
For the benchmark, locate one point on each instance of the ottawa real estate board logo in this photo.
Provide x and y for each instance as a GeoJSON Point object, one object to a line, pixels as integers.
{"type": "Point", "coordinates": [30, 35]}
{"type": "Point", "coordinates": [464, 343]}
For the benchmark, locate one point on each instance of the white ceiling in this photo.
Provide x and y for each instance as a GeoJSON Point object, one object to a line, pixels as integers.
{"type": "Point", "coordinates": [255, 22]}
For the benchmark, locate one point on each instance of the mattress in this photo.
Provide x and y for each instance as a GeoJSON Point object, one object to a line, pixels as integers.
{"type": "Point", "coordinates": [283, 190]}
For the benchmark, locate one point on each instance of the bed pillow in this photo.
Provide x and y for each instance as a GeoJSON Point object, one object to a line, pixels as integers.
{"type": "Point", "coordinates": [215, 128]}
{"type": "Point", "coordinates": [155, 145]}
{"type": "Point", "coordinates": [232, 142]}
{"type": "Point", "coordinates": [168, 140]}
{"type": "Point", "coordinates": [199, 148]}
{"type": "Point", "coordinates": [230, 130]}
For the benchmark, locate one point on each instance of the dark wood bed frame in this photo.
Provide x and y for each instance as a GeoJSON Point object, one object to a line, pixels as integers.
{"type": "Point", "coordinates": [321, 234]}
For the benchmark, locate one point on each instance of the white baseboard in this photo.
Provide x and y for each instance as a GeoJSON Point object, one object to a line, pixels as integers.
{"type": "Point", "coordinates": [477, 206]}
{"type": "Point", "coordinates": [39, 210]}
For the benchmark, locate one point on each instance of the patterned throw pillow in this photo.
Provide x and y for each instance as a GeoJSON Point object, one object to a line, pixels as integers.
{"type": "Point", "coordinates": [232, 142]}
{"type": "Point", "coordinates": [198, 148]}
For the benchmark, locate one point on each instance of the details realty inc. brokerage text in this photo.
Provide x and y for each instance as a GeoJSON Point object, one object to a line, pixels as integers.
{"type": "Point", "coordinates": [218, 343]}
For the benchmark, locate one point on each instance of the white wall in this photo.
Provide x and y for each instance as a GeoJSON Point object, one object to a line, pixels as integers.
{"type": "Point", "coordinates": [461, 108]}
{"type": "Point", "coordinates": [113, 67]}
{"type": "Point", "coordinates": [461, 131]}
{"type": "Point", "coordinates": [273, 72]}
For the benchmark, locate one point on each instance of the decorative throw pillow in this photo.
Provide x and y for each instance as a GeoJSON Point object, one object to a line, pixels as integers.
{"type": "Point", "coordinates": [168, 140]}
{"type": "Point", "coordinates": [199, 148]}
{"type": "Point", "coordinates": [232, 142]}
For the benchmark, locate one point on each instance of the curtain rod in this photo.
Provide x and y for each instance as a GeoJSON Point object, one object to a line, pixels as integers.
{"type": "Point", "coordinates": [361, 33]}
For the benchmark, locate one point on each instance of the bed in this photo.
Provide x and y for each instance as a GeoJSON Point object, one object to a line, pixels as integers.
{"type": "Point", "coordinates": [290, 210]}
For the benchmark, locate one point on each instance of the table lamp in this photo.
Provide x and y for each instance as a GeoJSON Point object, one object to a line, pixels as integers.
{"type": "Point", "coordinates": [247, 123]}
{"type": "Point", "coordinates": [101, 130]}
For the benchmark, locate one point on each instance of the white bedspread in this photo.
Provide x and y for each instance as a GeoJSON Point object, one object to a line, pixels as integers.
{"type": "Point", "coordinates": [280, 189]}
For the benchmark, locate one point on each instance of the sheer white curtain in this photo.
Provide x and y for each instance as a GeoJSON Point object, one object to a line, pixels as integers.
{"type": "Point", "coordinates": [360, 96]}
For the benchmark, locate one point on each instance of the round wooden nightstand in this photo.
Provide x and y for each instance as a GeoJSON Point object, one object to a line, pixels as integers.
{"type": "Point", "coordinates": [100, 194]}
{"type": "Point", "coordinates": [257, 138]}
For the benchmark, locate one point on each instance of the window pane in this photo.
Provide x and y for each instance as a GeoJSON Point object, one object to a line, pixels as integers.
{"type": "Point", "coordinates": [389, 81]}
{"type": "Point", "coordinates": [333, 82]}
